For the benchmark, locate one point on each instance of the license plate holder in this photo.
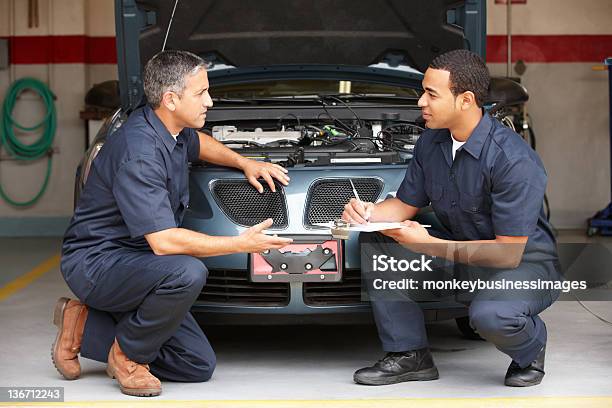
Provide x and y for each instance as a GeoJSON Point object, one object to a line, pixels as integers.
{"type": "Point", "coordinates": [310, 258]}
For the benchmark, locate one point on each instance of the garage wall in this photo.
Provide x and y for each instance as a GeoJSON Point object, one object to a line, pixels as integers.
{"type": "Point", "coordinates": [100, 24]}
{"type": "Point", "coordinates": [67, 81]}
{"type": "Point", "coordinates": [559, 40]}
{"type": "Point", "coordinates": [60, 51]}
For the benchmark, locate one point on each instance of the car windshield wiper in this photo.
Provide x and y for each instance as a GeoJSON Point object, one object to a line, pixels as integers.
{"type": "Point", "coordinates": [316, 98]}
{"type": "Point", "coordinates": [369, 96]}
{"type": "Point", "coordinates": [268, 99]}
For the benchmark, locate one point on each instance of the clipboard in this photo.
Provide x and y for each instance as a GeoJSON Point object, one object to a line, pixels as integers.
{"type": "Point", "coordinates": [369, 227]}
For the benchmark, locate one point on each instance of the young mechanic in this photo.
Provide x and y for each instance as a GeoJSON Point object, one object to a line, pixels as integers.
{"type": "Point", "coordinates": [486, 187]}
{"type": "Point", "coordinates": [135, 271]}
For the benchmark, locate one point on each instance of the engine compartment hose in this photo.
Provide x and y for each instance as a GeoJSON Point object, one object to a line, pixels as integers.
{"type": "Point", "coordinates": [23, 152]}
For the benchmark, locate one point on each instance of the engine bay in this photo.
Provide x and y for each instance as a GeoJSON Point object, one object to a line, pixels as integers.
{"type": "Point", "coordinates": [291, 139]}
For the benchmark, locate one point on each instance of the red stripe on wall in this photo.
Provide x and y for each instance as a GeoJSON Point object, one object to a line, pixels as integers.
{"type": "Point", "coordinates": [75, 49]}
{"type": "Point", "coordinates": [550, 48]}
{"type": "Point", "coordinates": [62, 49]}
{"type": "Point", "coordinates": [101, 50]}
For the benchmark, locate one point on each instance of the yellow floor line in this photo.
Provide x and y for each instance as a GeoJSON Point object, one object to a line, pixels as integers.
{"type": "Point", "coordinates": [24, 280]}
{"type": "Point", "coordinates": [515, 402]}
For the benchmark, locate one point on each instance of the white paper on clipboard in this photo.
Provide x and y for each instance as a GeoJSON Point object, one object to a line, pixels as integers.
{"type": "Point", "coordinates": [369, 227]}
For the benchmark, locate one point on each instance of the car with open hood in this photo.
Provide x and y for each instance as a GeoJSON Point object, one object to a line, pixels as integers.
{"type": "Point", "coordinates": [327, 89]}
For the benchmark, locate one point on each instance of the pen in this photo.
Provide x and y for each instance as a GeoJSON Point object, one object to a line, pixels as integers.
{"type": "Point", "coordinates": [358, 198]}
{"type": "Point", "coordinates": [354, 190]}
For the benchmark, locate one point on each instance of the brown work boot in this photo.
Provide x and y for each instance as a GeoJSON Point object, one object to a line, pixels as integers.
{"type": "Point", "coordinates": [69, 316]}
{"type": "Point", "coordinates": [134, 378]}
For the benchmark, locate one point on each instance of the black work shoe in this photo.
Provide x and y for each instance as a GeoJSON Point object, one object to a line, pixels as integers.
{"type": "Point", "coordinates": [415, 365]}
{"type": "Point", "coordinates": [528, 376]}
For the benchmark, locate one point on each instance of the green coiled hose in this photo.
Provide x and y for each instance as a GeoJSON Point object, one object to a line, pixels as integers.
{"type": "Point", "coordinates": [34, 151]}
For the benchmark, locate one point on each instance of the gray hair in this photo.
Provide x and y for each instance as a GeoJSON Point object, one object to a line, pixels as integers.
{"type": "Point", "coordinates": [167, 71]}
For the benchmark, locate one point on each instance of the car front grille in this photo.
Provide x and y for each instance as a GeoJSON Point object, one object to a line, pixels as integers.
{"type": "Point", "coordinates": [233, 287]}
{"type": "Point", "coordinates": [345, 292]}
{"type": "Point", "coordinates": [245, 206]}
{"type": "Point", "coordinates": [327, 197]}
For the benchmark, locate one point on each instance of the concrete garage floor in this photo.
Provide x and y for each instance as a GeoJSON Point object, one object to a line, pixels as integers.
{"type": "Point", "coordinates": [294, 366]}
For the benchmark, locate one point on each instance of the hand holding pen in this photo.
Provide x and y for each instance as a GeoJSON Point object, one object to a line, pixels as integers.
{"type": "Point", "coordinates": [357, 211]}
{"type": "Point", "coordinates": [360, 212]}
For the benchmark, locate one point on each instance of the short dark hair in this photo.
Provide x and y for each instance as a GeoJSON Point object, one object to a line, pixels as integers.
{"type": "Point", "coordinates": [468, 72]}
{"type": "Point", "coordinates": [166, 71]}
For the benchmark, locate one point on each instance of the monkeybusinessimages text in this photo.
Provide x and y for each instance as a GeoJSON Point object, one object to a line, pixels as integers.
{"type": "Point", "coordinates": [385, 263]}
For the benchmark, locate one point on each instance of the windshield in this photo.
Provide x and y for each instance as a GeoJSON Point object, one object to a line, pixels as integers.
{"type": "Point", "coordinates": [285, 88]}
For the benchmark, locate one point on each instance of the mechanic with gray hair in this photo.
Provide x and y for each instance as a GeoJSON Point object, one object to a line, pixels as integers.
{"type": "Point", "coordinates": [486, 186]}
{"type": "Point", "coordinates": [135, 271]}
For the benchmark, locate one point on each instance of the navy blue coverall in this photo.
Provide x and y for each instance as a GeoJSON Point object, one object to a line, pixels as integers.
{"type": "Point", "coordinates": [138, 184]}
{"type": "Point", "coordinates": [494, 186]}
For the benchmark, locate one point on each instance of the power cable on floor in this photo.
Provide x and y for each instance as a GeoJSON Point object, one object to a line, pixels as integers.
{"type": "Point", "coordinates": [592, 312]}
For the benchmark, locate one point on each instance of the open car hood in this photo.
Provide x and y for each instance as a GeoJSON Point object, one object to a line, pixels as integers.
{"type": "Point", "coordinates": [247, 33]}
